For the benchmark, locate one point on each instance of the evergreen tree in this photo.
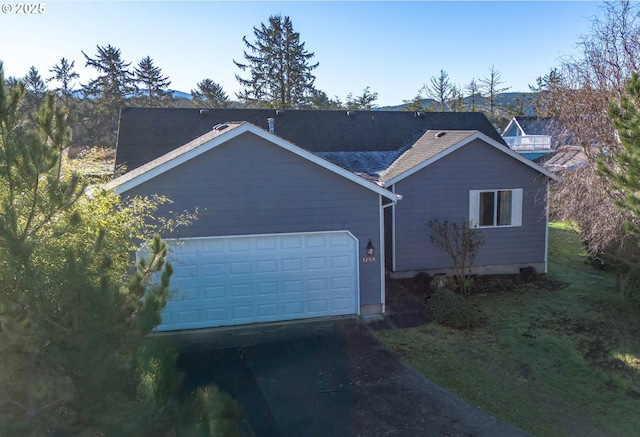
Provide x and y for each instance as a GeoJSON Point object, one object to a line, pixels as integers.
{"type": "Point", "coordinates": [278, 63]}
{"type": "Point", "coordinates": [622, 168]}
{"type": "Point", "coordinates": [543, 102]}
{"type": "Point", "coordinates": [106, 94]}
{"type": "Point", "coordinates": [320, 100]}
{"type": "Point", "coordinates": [417, 104]}
{"type": "Point", "coordinates": [518, 106]}
{"type": "Point", "coordinates": [72, 317]}
{"type": "Point", "coordinates": [115, 80]}
{"type": "Point", "coordinates": [35, 89]}
{"type": "Point", "coordinates": [64, 74]}
{"type": "Point", "coordinates": [210, 94]}
{"type": "Point", "coordinates": [151, 80]}
{"type": "Point", "coordinates": [363, 102]}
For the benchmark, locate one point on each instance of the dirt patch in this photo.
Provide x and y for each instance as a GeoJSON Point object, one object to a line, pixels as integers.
{"type": "Point", "coordinates": [420, 285]}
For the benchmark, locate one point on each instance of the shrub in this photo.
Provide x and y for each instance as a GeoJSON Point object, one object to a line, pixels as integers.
{"type": "Point", "coordinates": [462, 242]}
{"type": "Point", "coordinates": [632, 287]}
{"type": "Point", "coordinates": [450, 309]}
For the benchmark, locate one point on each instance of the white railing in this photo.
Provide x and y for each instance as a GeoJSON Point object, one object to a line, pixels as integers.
{"type": "Point", "coordinates": [529, 142]}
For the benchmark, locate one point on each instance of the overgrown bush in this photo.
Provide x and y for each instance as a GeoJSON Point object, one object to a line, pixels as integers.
{"type": "Point", "coordinates": [450, 309]}
{"type": "Point", "coordinates": [462, 242]}
{"type": "Point", "coordinates": [632, 287]}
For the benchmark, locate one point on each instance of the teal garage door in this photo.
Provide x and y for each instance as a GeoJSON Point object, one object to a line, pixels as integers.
{"type": "Point", "coordinates": [226, 281]}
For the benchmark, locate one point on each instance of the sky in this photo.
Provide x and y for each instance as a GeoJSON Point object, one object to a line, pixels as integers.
{"type": "Point", "coordinates": [392, 47]}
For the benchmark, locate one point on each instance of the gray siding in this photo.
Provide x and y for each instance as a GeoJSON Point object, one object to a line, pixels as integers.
{"type": "Point", "coordinates": [251, 186]}
{"type": "Point", "coordinates": [441, 191]}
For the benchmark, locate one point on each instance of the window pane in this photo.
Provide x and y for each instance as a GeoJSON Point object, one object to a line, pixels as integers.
{"type": "Point", "coordinates": [504, 208]}
{"type": "Point", "coordinates": [486, 209]}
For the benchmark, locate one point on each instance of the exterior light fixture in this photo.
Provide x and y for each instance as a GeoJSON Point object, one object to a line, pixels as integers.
{"type": "Point", "coordinates": [371, 250]}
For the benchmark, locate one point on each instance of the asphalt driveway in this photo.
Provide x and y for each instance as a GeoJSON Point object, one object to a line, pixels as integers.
{"type": "Point", "coordinates": [327, 378]}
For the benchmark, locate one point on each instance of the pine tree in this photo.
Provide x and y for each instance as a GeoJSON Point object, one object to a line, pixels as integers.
{"type": "Point", "coordinates": [71, 325]}
{"type": "Point", "coordinates": [151, 80]}
{"type": "Point", "coordinates": [363, 102]}
{"type": "Point", "coordinates": [35, 89]}
{"type": "Point", "coordinates": [115, 80]}
{"type": "Point", "coordinates": [64, 74]}
{"type": "Point", "coordinates": [417, 104]}
{"type": "Point", "coordinates": [543, 102]}
{"type": "Point", "coordinates": [279, 67]}
{"type": "Point", "coordinates": [320, 100]}
{"type": "Point", "coordinates": [106, 94]}
{"type": "Point", "coordinates": [210, 94]}
{"type": "Point", "coordinates": [622, 168]}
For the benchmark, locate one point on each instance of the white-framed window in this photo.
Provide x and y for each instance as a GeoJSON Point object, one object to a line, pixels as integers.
{"type": "Point", "coordinates": [495, 208]}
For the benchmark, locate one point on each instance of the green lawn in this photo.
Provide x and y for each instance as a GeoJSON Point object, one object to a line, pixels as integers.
{"type": "Point", "coordinates": [553, 363]}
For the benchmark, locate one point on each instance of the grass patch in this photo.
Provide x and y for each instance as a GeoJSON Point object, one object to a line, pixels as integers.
{"type": "Point", "coordinates": [553, 363]}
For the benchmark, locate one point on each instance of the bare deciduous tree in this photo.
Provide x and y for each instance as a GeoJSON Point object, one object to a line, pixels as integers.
{"type": "Point", "coordinates": [462, 242]}
{"type": "Point", "coordinates": [587, 83]}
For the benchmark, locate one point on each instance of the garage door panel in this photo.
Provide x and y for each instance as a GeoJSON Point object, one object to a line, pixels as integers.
{"type": "Point", "coordinates": [341, 304]}
{"type": "Point", "coordinates": [223, 281]}
{"type": "Point", "coordinates": [191, 316]}
{"type": "Point", "coordinates": [242, 314]}
{"type": "Point", "coordinates": [318, 306]}
{"type": "Point", "coordinates": [317, 285]}
{"type": "Point", "coordinates": [292, 265]}
{"type": "Point", "coordinates": [266, 266]}
{"type": "Point", "coordinates": [218, 292]}
{"type": "Point", "coordinates": [292, 287]}
{"type": "Point", "coordinates": [240, 268]}
{"type": "Point", "coordinates": [294, 308]}
{"type": "Point", "coordinates": [291, 242]}
{"type": "Point", "coordinates": [317, 263]}
{"type": "Point", "coordinates": [212, 246]}
{"type": "Point", "coordinates": [268, 288]}
{"type": "Point", "coordinates": [213, 269]}
{"type": "Point", "coordinates": [239, 245]}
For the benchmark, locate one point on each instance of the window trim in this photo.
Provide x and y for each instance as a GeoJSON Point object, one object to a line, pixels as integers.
{"type": "Point", "coordinates": [516, 208]}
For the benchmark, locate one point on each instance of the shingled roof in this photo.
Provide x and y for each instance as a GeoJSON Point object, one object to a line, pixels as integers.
{"type": "Point", "coordinates": [218, 136]}
{"type": "Point", "coordinates": [434, 145]}
{"type": "Point", "coordinates": [428, 146]}
{"type": "Point", "coordinates": [148, 133]}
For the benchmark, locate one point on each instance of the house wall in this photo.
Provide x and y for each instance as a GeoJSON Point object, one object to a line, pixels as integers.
{"type": "Point", "coordinates": [441, 191]}
{"type": "Point", "coordinates": [251, 186]}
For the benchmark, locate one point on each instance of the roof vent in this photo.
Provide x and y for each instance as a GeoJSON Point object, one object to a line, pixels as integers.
{"type": "Point", "coordinates": [204, 112]}
{"type": "Point", "coordinates": [279, 111]}
{"type": "Point", "coordinates": [220, 127]}
{"type": "Point", "coordinates": [441, 134]}
{"type": "Point", "coordinates": [420, 114]}
{"type": "Point", "coordinates": [351, 113]}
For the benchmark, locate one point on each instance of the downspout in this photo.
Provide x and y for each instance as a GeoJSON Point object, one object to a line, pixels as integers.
{"type": "Point", "coordinates": [383, 248]}
{"type": "Point", "coordinates": [546, 231]}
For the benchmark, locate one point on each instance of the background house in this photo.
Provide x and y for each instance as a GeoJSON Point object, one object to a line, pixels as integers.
{"type": "Point", "coordinates": [544, 140]}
